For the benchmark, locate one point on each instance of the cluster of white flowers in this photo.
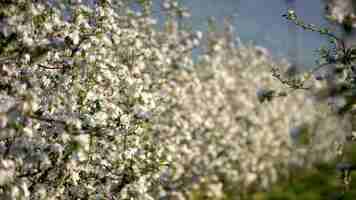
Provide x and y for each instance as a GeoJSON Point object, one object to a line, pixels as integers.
{"type": "Point", "coordinates": [77, 98]}
{"type": "Point", "coordinates": [95, 103]}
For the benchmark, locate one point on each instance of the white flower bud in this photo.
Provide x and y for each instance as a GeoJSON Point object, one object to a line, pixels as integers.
{"type": "Point", "coordinates": [3, 120]}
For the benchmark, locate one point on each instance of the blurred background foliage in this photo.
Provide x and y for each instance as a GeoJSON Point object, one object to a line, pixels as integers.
{"type": "Point", "coordinates": [321, 182]}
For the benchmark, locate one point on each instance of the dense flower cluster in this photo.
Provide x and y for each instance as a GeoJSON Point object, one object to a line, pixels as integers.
{"type": "Point", "coordinates": [78, 90]}
{"type": "Point", "coordinates": [95, 103]}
